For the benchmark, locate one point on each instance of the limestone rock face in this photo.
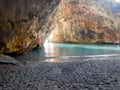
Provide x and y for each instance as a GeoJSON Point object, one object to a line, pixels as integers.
{"type": "Point", "coordinates": [22, 24]}
{"type": "Point", "coordinates": [86, 21]}
{"type": "Point", "coordinates": [25, 24]}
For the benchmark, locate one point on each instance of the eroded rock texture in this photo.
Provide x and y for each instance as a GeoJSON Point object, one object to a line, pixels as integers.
{"type": "Point", "coordinates": [22, 24]}
{"type": "Point", "coordinates": [25, 24]}
{"type": "Point", "coordinates": [87, 21]}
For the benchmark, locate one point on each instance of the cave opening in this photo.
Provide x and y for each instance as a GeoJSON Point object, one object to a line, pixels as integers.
{"type": "Point", "coordinates": [117, 1]}
{"type": "Point", "coordinates": [48, 46]}
{"type": "Point", "coordinates": [49, 39]}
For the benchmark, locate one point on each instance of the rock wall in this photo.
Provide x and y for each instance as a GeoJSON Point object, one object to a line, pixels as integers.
{"type": "Point", "coordinates": [22, 24]}
{"type": "Point", "coordinates": [87, 21]}
{"type": "Point", "coordinates": [25, 24]}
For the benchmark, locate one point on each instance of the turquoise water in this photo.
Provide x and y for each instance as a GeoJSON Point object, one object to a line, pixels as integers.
{"type": "Point", "coordinates": [55, 49]}
{"type": "Point", "coordinates": [59, 49]}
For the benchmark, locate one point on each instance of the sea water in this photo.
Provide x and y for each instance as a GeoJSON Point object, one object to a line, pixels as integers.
{"type": "Point", "coordinates": [73, 50]}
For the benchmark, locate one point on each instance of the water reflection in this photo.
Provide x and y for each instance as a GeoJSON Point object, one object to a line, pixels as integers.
{"type": "Point", "coordinates": [52, 51]}
{"type": "Point", "coordinates": [79, 49]}
{"type": "Point", "coordinates": [49, 48]}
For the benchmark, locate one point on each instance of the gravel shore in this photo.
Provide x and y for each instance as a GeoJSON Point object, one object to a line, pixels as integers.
{"type": "Point", "coordinates": [100, 74]}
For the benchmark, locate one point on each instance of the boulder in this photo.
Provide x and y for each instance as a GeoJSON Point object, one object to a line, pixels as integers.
{"type": "Point", "coordinates": [4, 59]}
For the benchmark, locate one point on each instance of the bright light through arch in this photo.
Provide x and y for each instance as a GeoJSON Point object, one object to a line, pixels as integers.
{"type": "Point", "coordinates": [48, 46]}
{"type": "Point", "coordinates": [117, 1]}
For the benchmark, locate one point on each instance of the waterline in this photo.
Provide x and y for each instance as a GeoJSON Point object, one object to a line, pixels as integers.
{"type": "Point", "coordinates": [80, 49]}
{"type": "Point", "coordinates": [63, 59]}
{"type": "Point", "coordinates": [52, 51]}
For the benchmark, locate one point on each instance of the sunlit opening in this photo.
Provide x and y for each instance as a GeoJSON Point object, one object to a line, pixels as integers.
{"type": "Point", "coordinates": [117, 1]}
{"type": "Point", "coordinates": [48, 45]}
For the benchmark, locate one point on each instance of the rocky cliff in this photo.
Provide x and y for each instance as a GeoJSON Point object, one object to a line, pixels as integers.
{"type": "Point", "coordinates": [87, 21]}
{"type": "Point", "coordinates": [22, 24]}
{"type": "Point", "coordinates": [25, 24]}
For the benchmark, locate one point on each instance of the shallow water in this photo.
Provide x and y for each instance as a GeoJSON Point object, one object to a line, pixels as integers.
{"type": "Point", "coordinates": [70, 50]}
{"type": "Point", "coordinates": [55, 49]}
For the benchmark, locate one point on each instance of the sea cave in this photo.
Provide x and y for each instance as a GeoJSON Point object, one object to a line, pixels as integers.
{"type": "Point", "coordinates": [59, 45]}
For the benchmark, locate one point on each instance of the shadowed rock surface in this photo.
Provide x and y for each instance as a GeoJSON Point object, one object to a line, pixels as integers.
{"type": "Point", "coordinates": [8, 60]}
{"type": "Point", "coordinates": [100, 74]}
{"type": "Point", "coordinates": [22, 24]}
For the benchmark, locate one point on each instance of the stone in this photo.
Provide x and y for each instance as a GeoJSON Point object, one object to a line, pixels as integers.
{"type": "Point", "coordinates": [4, 59]}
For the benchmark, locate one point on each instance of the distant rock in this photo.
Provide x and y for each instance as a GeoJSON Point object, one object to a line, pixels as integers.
{"type": "Point", "coordinates": [86, 21]}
